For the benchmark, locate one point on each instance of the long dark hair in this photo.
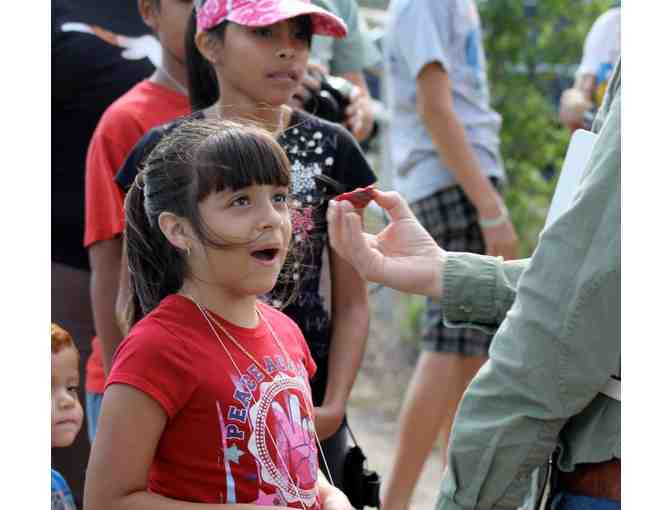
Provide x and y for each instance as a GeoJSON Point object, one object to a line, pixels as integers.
{"type": "Point", "coordinates": [197, 158]}
{"type": "Point", "coordinates": [201, 77]}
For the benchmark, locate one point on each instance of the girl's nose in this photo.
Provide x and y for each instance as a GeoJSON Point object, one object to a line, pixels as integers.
{"type": "Point", "coordinates": [286, 53]}
{"type": "Point", "coordinates": [66, 400]}
{"type": "Point", "coordinates": [272, 217]}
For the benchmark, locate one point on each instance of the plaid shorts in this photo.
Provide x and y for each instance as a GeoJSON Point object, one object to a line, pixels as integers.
{"type": "Point", "coordinates": [452, 220]}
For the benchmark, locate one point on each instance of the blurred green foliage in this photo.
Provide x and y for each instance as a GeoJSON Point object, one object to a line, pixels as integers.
{"type": "Point", "coordinates": [532, 49]}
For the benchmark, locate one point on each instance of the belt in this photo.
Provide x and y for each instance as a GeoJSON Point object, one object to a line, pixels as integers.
{"type": "Point", "coordinates": [599, 480]}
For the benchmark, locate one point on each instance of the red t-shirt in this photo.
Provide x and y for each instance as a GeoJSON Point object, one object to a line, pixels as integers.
{"type": "Point", "coordinates": [143, 107]}
{"type": "Point", "coordinates": [237, 432]}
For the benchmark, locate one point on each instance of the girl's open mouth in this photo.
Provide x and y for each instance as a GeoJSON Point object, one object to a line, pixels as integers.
{"type": "Point", "coordinates": [266, 255]}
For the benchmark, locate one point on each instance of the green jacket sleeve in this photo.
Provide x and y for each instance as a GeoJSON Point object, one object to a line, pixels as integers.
{"type": "Point", "coordinates": [478, 290]}
{"type": "Point", "coordinates": [554, 351]}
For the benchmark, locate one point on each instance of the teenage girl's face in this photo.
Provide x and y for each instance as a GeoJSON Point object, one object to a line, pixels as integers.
{"type": "Point", "coordinates": [66, 411]}
{"type": "Point", "coordinates": [169, 22]}
{"type": "Point", "coordinates": [261, 64]}
{"type": "Point", "coordinates": [257, 218]}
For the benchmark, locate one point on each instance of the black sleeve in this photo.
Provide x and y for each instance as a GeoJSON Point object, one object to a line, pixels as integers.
{"type": "Point", "coordinates": [126, 174]}
{"type": "Point", "coordinates": [351, 168]}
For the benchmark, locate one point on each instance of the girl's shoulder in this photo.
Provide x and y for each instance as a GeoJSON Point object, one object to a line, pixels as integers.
{"type": "Point", "coordinates": [279, 320]}
{"type": "Point", "coordinates": [173, 319]}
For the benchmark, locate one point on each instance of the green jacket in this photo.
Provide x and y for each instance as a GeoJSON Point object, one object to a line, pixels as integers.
{"type": "Point", "coordinates": [557, 317]}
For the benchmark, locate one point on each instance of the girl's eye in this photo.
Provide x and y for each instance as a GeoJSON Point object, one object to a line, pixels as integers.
{"type": "Point", "coordinates": [73, 389]}
{"type": "Point", "coordinates": [302, 35]}
{"type": "Point", "coordinates": [262, 31]}
{"type": "Point", "coordinates": [281, 198]}
{"type": "Point", "coordinates": [241, 201]}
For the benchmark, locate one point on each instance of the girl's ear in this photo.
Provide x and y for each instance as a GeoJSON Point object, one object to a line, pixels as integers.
{"type": "Point", "coordinates": [148, 13]}
{"type": "Point", "coordinates": [177, 230]}
{"type": "Point", "coordinates": [207, 46]}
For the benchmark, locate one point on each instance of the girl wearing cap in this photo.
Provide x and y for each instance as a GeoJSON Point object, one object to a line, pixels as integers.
{"type": "Point", "coordinates": [245, 60]}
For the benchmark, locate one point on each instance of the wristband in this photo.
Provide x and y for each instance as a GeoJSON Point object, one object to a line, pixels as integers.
{"type": "Point", "coordinates": [494, 222]}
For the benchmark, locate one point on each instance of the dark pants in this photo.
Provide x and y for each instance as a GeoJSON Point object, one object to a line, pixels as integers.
{"type": "Point", "coordinates": [568, 501]}
{"type": "Point", "coordinates": [71, 309]}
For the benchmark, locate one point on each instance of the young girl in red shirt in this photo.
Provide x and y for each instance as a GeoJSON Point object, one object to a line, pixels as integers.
{"type": "Point", "coordinates": [208, 400]}
{"type": "Point", "coordinates": [245, 60]}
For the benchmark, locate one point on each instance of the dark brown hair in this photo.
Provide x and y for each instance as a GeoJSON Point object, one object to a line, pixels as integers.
{"type": "Point", "coordinates": [195, 159]}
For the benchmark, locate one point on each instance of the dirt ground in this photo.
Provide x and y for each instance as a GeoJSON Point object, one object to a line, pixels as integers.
{"type": "Point", "coordinates": [378, 393]}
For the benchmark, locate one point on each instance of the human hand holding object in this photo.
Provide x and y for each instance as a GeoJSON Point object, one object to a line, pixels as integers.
{"type": "Point", "coordinates": [402, 255]}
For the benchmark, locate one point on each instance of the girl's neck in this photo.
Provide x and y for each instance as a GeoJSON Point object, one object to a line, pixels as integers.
{"type": "Point", "coordinates": [273, 118]}
{"type": "Point", "coordinates": [241, 311]}
{"type": "Point", "coordinates": [171, 74]}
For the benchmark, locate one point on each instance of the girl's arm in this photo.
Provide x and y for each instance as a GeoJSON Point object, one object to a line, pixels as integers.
{"type": "Point", "coordinates": [350, 329]}
{"type": "Point", "coordinates": [129, 428]}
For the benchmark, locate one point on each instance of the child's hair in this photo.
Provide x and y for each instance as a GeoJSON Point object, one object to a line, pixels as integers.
{"type": "Point", "coordinates": [202, 80]}
{"type": "Point", "coordinates": [61, 339]}
{"type": "Point", "coordinates": [195, 159]}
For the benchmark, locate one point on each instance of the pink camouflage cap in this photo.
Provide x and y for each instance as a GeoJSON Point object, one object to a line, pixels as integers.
{"type": "Point", "coordinates": [259, 13]}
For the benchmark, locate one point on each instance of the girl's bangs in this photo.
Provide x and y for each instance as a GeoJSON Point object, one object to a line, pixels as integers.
{"type": "Point", "coordinates": [234, 162]}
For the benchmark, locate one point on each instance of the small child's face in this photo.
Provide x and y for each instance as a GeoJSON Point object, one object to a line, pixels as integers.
{"type": "Point", "coordinates": [66, 411]}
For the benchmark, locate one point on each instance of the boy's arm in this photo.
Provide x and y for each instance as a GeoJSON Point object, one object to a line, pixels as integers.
{"type": "Point", "coordinates": [104, 258]}
{"type": "Point", "coordinates": [435, 107]}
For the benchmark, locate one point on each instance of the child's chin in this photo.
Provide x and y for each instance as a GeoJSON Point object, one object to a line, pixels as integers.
{"type": "Point", "coordinates": [63, 440]}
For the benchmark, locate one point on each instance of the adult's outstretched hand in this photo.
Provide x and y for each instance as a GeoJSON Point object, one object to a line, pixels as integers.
{"type": "Point", "coordinates": [402, 255]}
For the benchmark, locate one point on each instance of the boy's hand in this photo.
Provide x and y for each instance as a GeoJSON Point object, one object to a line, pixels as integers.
{"type": "Point", "coordinates": [573, 106]}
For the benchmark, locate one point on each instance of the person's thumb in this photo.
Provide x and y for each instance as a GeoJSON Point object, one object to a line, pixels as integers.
{"type": "Point", "coordinates": [394, 204]}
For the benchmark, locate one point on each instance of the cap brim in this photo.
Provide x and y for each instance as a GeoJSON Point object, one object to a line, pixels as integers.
{"type": "Point", "coordinates": [324, 22]}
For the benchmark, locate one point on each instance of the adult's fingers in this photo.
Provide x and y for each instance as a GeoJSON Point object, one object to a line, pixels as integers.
{"type": "Point", "coordinates": [347, 236]}
{"type": "Point", "coordinates": [360, 253]}
{"type": "Point", "coordinates": [337, 227]}
{"type": "Point", "coordinates": [395, 205]}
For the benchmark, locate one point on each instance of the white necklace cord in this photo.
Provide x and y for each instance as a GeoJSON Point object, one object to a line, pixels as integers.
{"type": "Point", "coordinates": [181, 88]}
{"type": "Point", "coordinates": [233, 362]}
{"type": "Point", "coordinates": [286, 354]}
{"type": "Point", "coordinates": [317, 439]}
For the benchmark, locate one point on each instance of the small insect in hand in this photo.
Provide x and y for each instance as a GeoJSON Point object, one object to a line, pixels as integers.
{"type": "Point", "coordinates": [359, 198]}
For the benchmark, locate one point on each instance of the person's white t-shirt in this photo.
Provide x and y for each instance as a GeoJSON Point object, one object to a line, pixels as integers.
{"type": "Point", "coordinates": [602, 49]}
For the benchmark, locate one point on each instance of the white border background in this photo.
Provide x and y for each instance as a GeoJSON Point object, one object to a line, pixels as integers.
{"type": "Point", "coordinates": [647, 277]}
